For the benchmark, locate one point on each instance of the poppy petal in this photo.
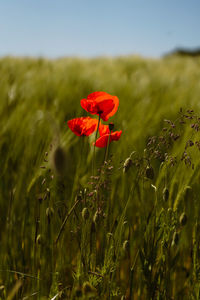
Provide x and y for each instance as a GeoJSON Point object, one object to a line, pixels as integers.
{"type": "Point", "coordinates": [101, 103]}
{"type": "Point", "coordinates": [116, 135]}
{"type": "Point", "coordinates": [75, 128]}
{"type": "Point", "coordinates": [105, 107]}
{"type": "Point", "coordinates": [115, 108]}
{"type": "Point", "coordinates": [83, 126]}
{"type": "Point", "coordinates": [89, 106]}
{"type": "Point", "coordinates": [103, 129]}
{"type": "Point", "coordinates": [100, 96]}
{"type": "Point", "coordinates": [96, 95]}
{"type": "Point", "coordinates": [103, 140]}
{"type": "Point", "coordinates": [95, 108]}
{"type": "Point", "coordinates": [90, 125]}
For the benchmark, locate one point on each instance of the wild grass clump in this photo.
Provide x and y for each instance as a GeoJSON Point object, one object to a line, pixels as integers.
{"type": "Point", "coordinates": [118, 223]}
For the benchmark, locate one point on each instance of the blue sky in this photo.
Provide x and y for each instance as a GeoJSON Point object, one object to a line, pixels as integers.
{"type": "Point", "coordinates": [55, 28]}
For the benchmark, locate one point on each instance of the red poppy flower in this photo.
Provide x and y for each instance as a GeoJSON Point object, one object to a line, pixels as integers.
{"type": "Point", "coordinates": [83, 126]}
{"type": "Point", "coordinates": [103, 140]}
{"type": "Point", "coordinates": [103, 129]}
{"type": "Point", "coordinates": [101, 103]}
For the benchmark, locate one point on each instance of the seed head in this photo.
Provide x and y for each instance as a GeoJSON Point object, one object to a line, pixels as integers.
{"type": "Point", "coordinates": [183, 219]}
{"type": "Point", "coordinates": [39, 239]}
{"type": "Point", "coordinates": [2, 287]}
{"type": "Point", "coordinates": [49, 212]}
{"type": "Point", "coordinates": [149, 172]}
{"type": "Point", "coordinates": [165, 194]}
{"type": "Point", "coordinates": [169, 210]}
{"type": "Point", "coordinates": [127, 164]}
{"type": "Point", "coordinates": [97, 217]}
{"type": "Point", "coordinates": [175, 238]}
{"type": "Point", "coordinates": [88, 289]}
{"type": "Point", "coordinates": [126, 246]}
{"type": "Point", "coordinates": [109, 236]}
{"type": "Point", "coordinates": [85, 213]}
{"type": "Point", "coordinates": [125, 223]}
{"type": "Point", "coordinates": [78, 292]}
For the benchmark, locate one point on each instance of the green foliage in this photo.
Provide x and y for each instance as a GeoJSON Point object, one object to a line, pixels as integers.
{"type": "Point", "coordinates": [129, 231]}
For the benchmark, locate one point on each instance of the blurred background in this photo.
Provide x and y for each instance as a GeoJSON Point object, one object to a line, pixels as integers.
{"type": "Point", "coordinates": [96, 28]}
{"type": "Point", "coordinates": [52, 55]}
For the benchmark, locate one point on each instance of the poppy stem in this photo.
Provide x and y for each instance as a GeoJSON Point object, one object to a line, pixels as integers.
{"type": "Point", "coordinates": [107, 146]}
{"type": "Point", "coordinates": [95, 143]}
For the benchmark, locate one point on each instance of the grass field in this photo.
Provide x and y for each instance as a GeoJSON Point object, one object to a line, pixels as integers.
{"type": "Point", "coordinates": [132, 230]}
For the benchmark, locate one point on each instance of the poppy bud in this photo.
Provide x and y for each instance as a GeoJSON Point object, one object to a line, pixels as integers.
{"type": "Point", "coordinates": [149, 172]}
{"type": "Point", "coordinates": [183, 219]}
{"type": "Point", "coordinates": [165, 194]}
{"type": "Point", "coordinates": [85, 213]}
{"type": "Point", "coordinates": [111, 126]}
{"type": "Point", "coordinates": [126, 246]}
{"type": "Point", "coordinates": [175, 239]}
{"type": "Point", "coordinates": [127, 164]}
{"type": "Point", "coordinates": [88, 289]}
